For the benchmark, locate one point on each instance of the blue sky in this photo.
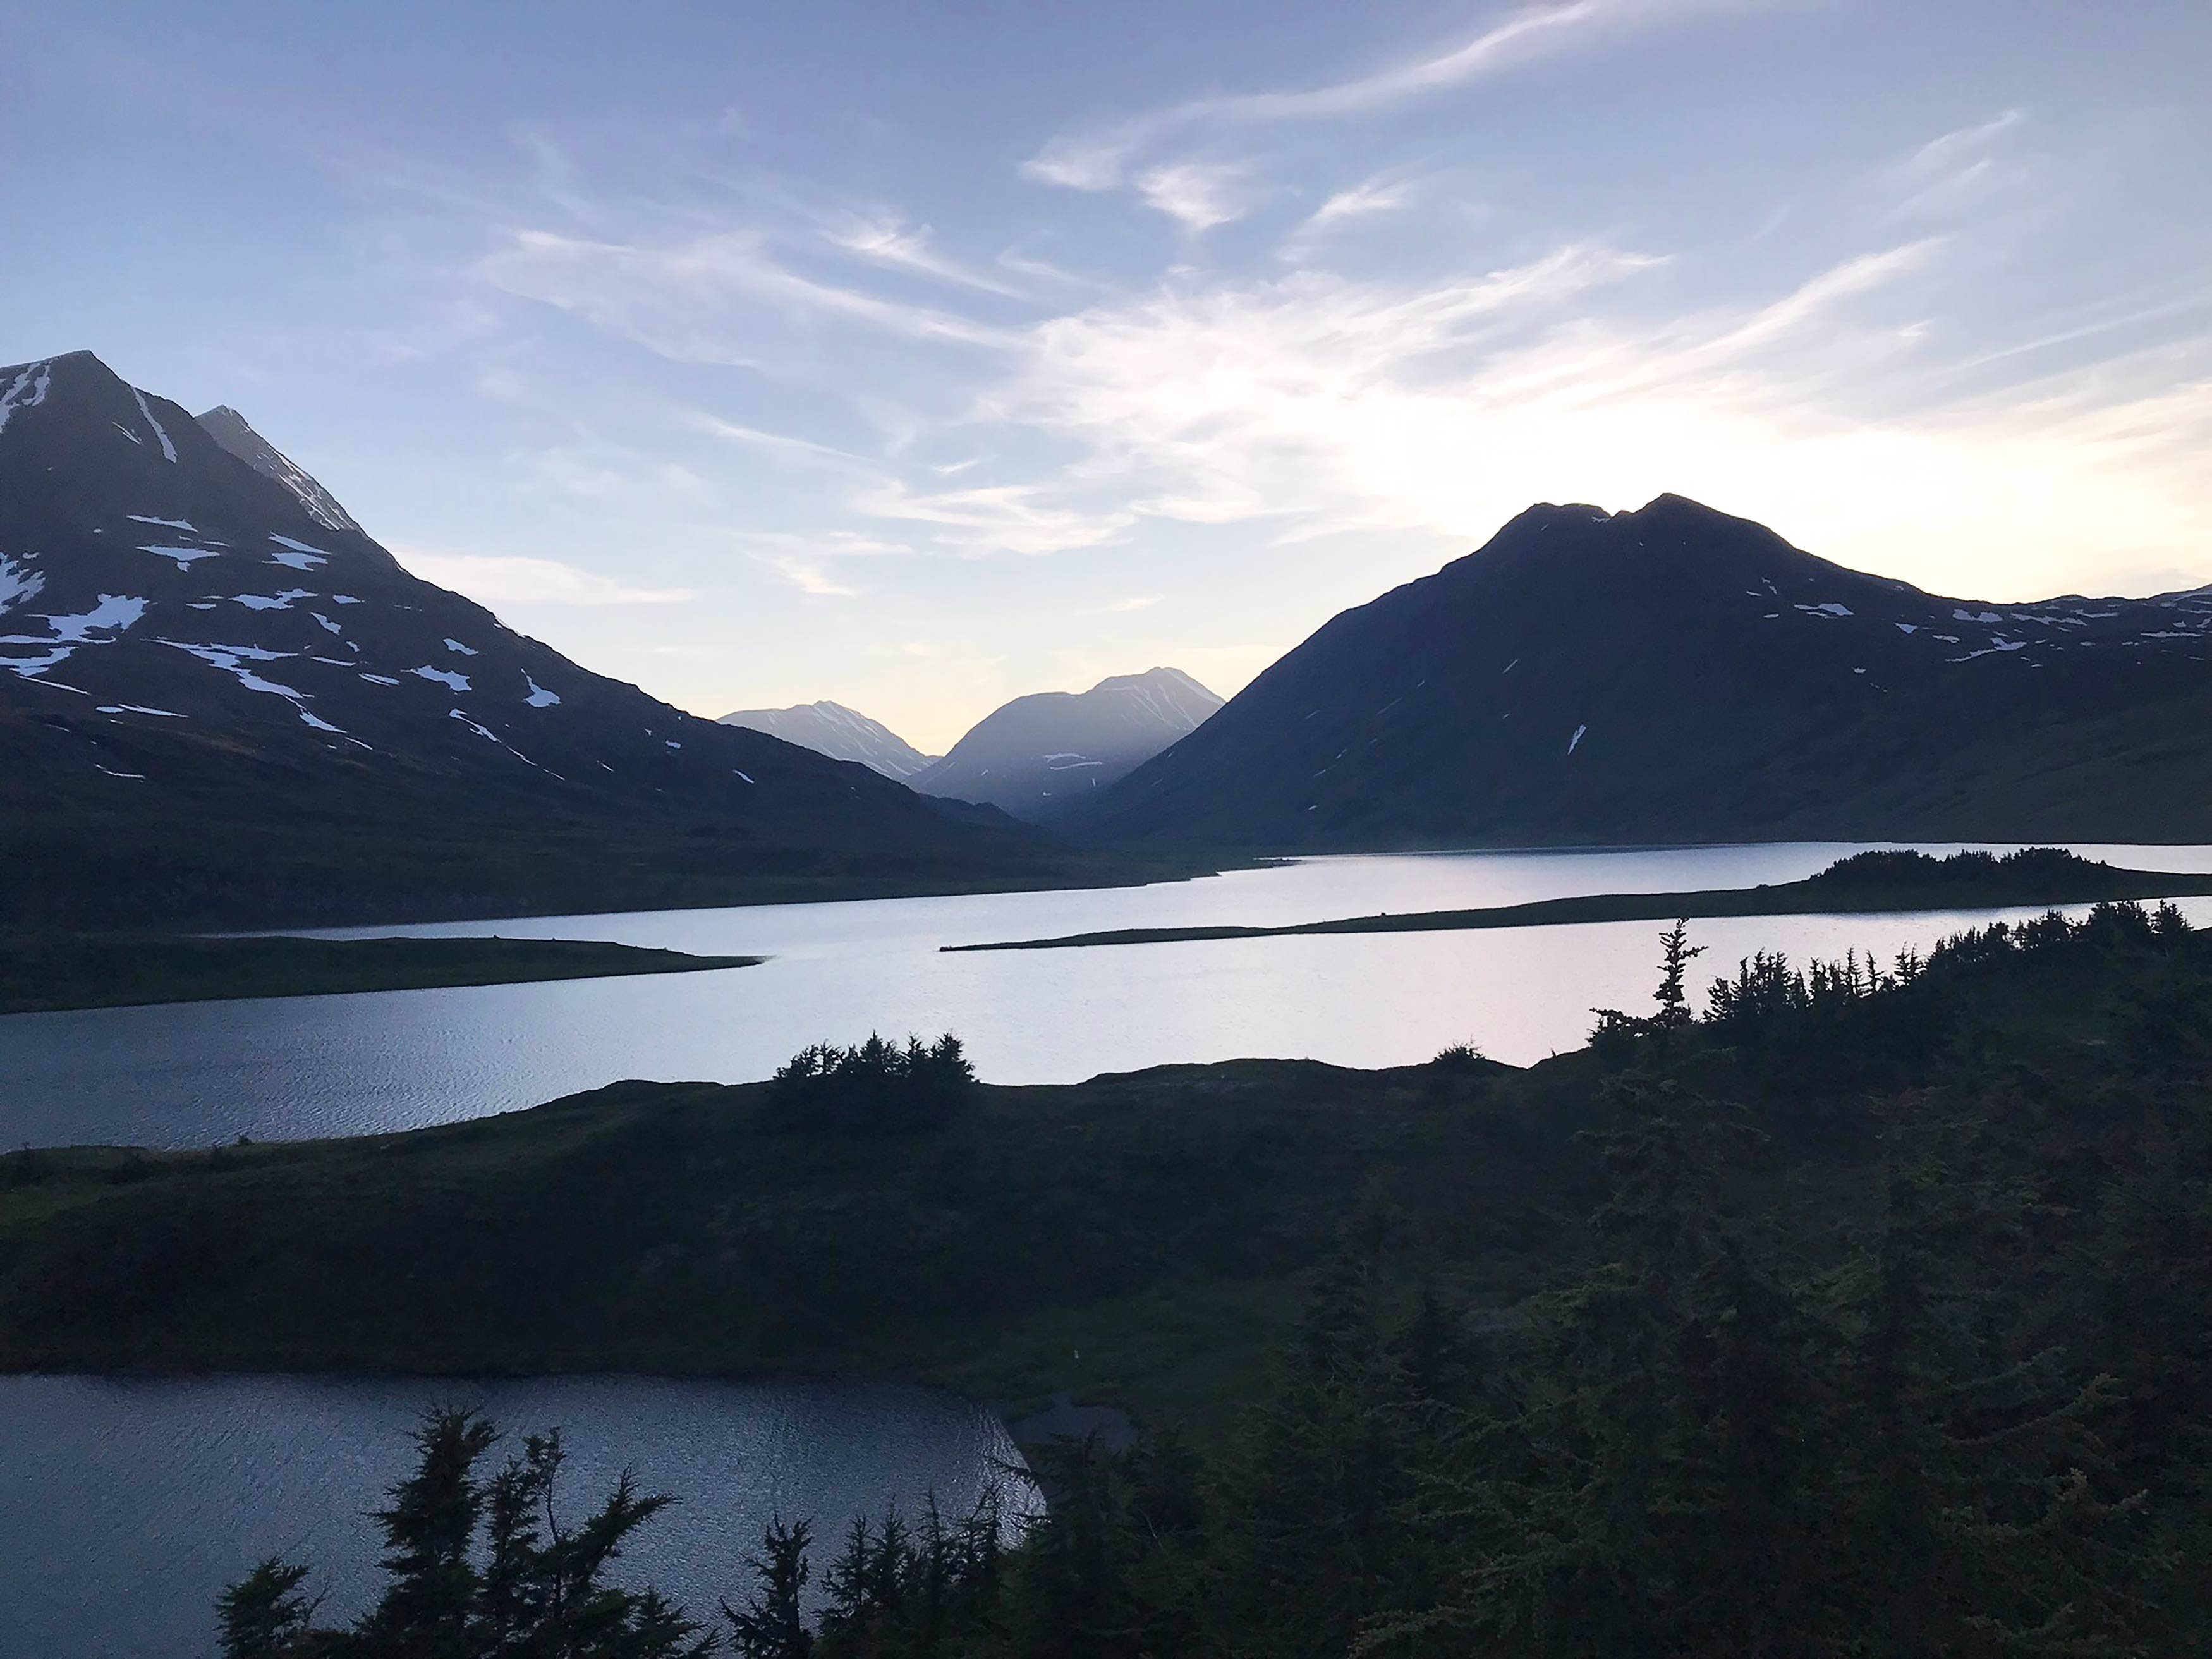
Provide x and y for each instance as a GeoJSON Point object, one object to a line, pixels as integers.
{"type": "Point", "coordinates": [920, 357]}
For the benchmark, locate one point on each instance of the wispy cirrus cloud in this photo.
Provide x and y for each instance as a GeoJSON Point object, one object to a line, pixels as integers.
{"type": "Point", "coordinates": [781, 445]}
{"type": "Point", "coordinates": [701, 299]}
{"type": "Point", "coordinates": [1101, 160]}
{"type": "Point", "coordinates": [1038, 517]}
{"type": "Point", "coordinates": [1952, 172]}
{"type": "Point", "coordinates": [897, 246]}
{"type": "Point", "coordinates": [500, 579]}
{"type": "Point", "coordinates": [1366, 200]}
{"type": "Point", "coordinates": [1197, 195]}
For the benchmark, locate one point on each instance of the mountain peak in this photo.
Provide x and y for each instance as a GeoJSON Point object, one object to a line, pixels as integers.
{"type": "Point", "coordinates": [230, 430]}
{"type": "Point", "coordinates": [845, 735]}
{"type": "Point", "coordinates": [1037, 755]}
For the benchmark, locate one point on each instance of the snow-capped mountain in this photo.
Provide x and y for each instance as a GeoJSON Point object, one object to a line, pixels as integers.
{"type": "Point", "coordinates": [1038, 756]}
{"type": "Point", "coordinates": [190, 626]}
{"type": "Point", "coordinates": [841, 733]}
{"type": "Point", "coordinates": [1675, 674]}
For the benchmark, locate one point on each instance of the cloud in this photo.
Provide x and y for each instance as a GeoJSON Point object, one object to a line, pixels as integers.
{"type": "Point", "coordinates": [704, 298]}
{"type": "Point", "coordinates": [1950, 173]}
{"type": "Point", "coordinates": [893, 243]}
{"type": "Point", "coordinates": [997, 519]}
{"type": "Point", "coordinates": [808, 577]}
{"type": "Point", "coordinates": [774, 443]}
{"type": "Point", "coordinates": [1315, 406]}
{"type": "Point", "coordinates": [1364, 201]}
{"type": "Point", "coordinates": [1198, 195]}
{"type": "Point", "coordinates": [1100, 160]}
{"type": "Point", "coordinates": [498, 579]}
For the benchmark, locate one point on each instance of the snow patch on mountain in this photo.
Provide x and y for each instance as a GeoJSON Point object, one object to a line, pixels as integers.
{"type": "Point", "coordinates": [272, 601]}
{"type": "Point", "coordinates": [183, 555]}
{"type": "Point", "coordinates": [18, 582]}
{"type": "Point", "coordinates": [539, 697]}
{"type": "Point", "coordinates": [444, 675]}
{"type": "Point", "coordinates": [27, 391]}
{"type": "Point", "coordinates": [114, 613]}
{"type": "Point", "coordinates": [168, 449]}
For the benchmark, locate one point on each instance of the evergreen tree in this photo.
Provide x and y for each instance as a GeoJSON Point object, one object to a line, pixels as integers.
{"type": "Point", "coordinates": [263, 1616]}
{"type": "Point", "coordinates": [426, 1610]}
{"type": "Point", "coordinates": [773, 1623]}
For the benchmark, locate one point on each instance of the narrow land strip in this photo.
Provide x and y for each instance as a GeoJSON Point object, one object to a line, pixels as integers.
{"type": "Point", "coordinates": [46, 972]}
{"type": "Point", "coordinates": [1869, 884]}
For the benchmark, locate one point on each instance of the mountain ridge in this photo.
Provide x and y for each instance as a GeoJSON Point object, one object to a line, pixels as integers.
{"type": "Point", "coordinates": [1676, 673]}
{"type": "Point", "coordinates": [830, 728]}
{"type": "Point", "coordinates": [319, 735]}
{"type": "Point", "coordinates": [1037, 755]}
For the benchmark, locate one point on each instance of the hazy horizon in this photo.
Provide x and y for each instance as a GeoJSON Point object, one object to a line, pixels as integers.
{"type": "Point", "coordinates": [917, 361]}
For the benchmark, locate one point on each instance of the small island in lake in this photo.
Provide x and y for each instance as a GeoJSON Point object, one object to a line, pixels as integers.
{"type": "Point", "coordinates": [1899, 882]}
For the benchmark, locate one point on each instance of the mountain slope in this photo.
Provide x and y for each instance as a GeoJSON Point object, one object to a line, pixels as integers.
{"type": "Point", "coordinates": [1673, 674]}
{"type": "Point", "coordinates": [219, 704]}
{"type": "Point", "coordinates": [1039, 756]}
{"type": "Point", "coordinates": [841, 733]}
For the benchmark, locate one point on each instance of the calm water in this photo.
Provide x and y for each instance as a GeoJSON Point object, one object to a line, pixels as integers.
{"type": "Point", "coordinates": [196, 1074]}
{"type": "Point", "coordinates": [127, 1506]}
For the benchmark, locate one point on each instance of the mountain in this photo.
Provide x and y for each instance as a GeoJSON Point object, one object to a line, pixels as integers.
{"type": "Point", "coordinates": [221, 703]}
{"type": "Point", "coordinates": [1673, 674]}
{"type": "Point", "coordinates": [228, 428]}
{"type": "Point", "coordinates": [841, 733]}
{"type": "Point", "coordinates": [1039, 756]}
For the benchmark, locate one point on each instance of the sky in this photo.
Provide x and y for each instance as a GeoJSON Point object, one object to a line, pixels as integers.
{"type": "Point", "coordinates": [919, 357]}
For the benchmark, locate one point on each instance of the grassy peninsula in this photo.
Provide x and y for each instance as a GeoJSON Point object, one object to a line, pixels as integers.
{"type": "Point", "coordinates": [1862, 884]}
{"type": "Point", "coordinates": [41, 972]}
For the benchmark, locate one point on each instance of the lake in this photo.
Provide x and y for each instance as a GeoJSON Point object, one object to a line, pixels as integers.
{"type": "Point", "coordinates": [129, 1503]}
{"type": "Point", "coordinates": [196, 1074]}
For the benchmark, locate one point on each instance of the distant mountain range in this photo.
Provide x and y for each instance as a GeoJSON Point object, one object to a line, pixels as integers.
{"type": "Point", "coordinates": [841, 733]}
{"type": "Point", "coordinates": [1039, 756]}
{"type": "Point", "coordinates": [222, 703]}
{"type": "Point", "coordinates": [1673, 674]}
{"type": "Point", "coordinates": [1035, 757]}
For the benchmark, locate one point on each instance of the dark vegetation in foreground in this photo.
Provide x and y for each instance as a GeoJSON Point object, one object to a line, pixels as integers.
{"type": "Point", "coordinates": [44, 971]}
{"type": "Point", "coordinates": [1864, 884]}
{"type": "Point", "coordinates": [1872, 1318]}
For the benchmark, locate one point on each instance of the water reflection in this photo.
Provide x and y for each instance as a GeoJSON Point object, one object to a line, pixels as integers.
{"type": "Point", "coordinates": [127, 1504]}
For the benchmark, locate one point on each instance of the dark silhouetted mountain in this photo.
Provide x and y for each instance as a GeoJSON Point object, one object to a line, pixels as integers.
{"type": "Point", "coordinates": [1037, 756]}
{"type": "Point", "coordinates": [841, 733]}
{"type": "Point", "coordinates": [219, 702]}
{"type": "Point", "coordinates": [1673, 674]}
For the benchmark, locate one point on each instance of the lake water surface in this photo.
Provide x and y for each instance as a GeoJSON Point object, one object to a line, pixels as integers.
{"type": "Point", "coordinates": [196, 1074]}
{"type": "Point", "coordinates": [127, 1504]}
